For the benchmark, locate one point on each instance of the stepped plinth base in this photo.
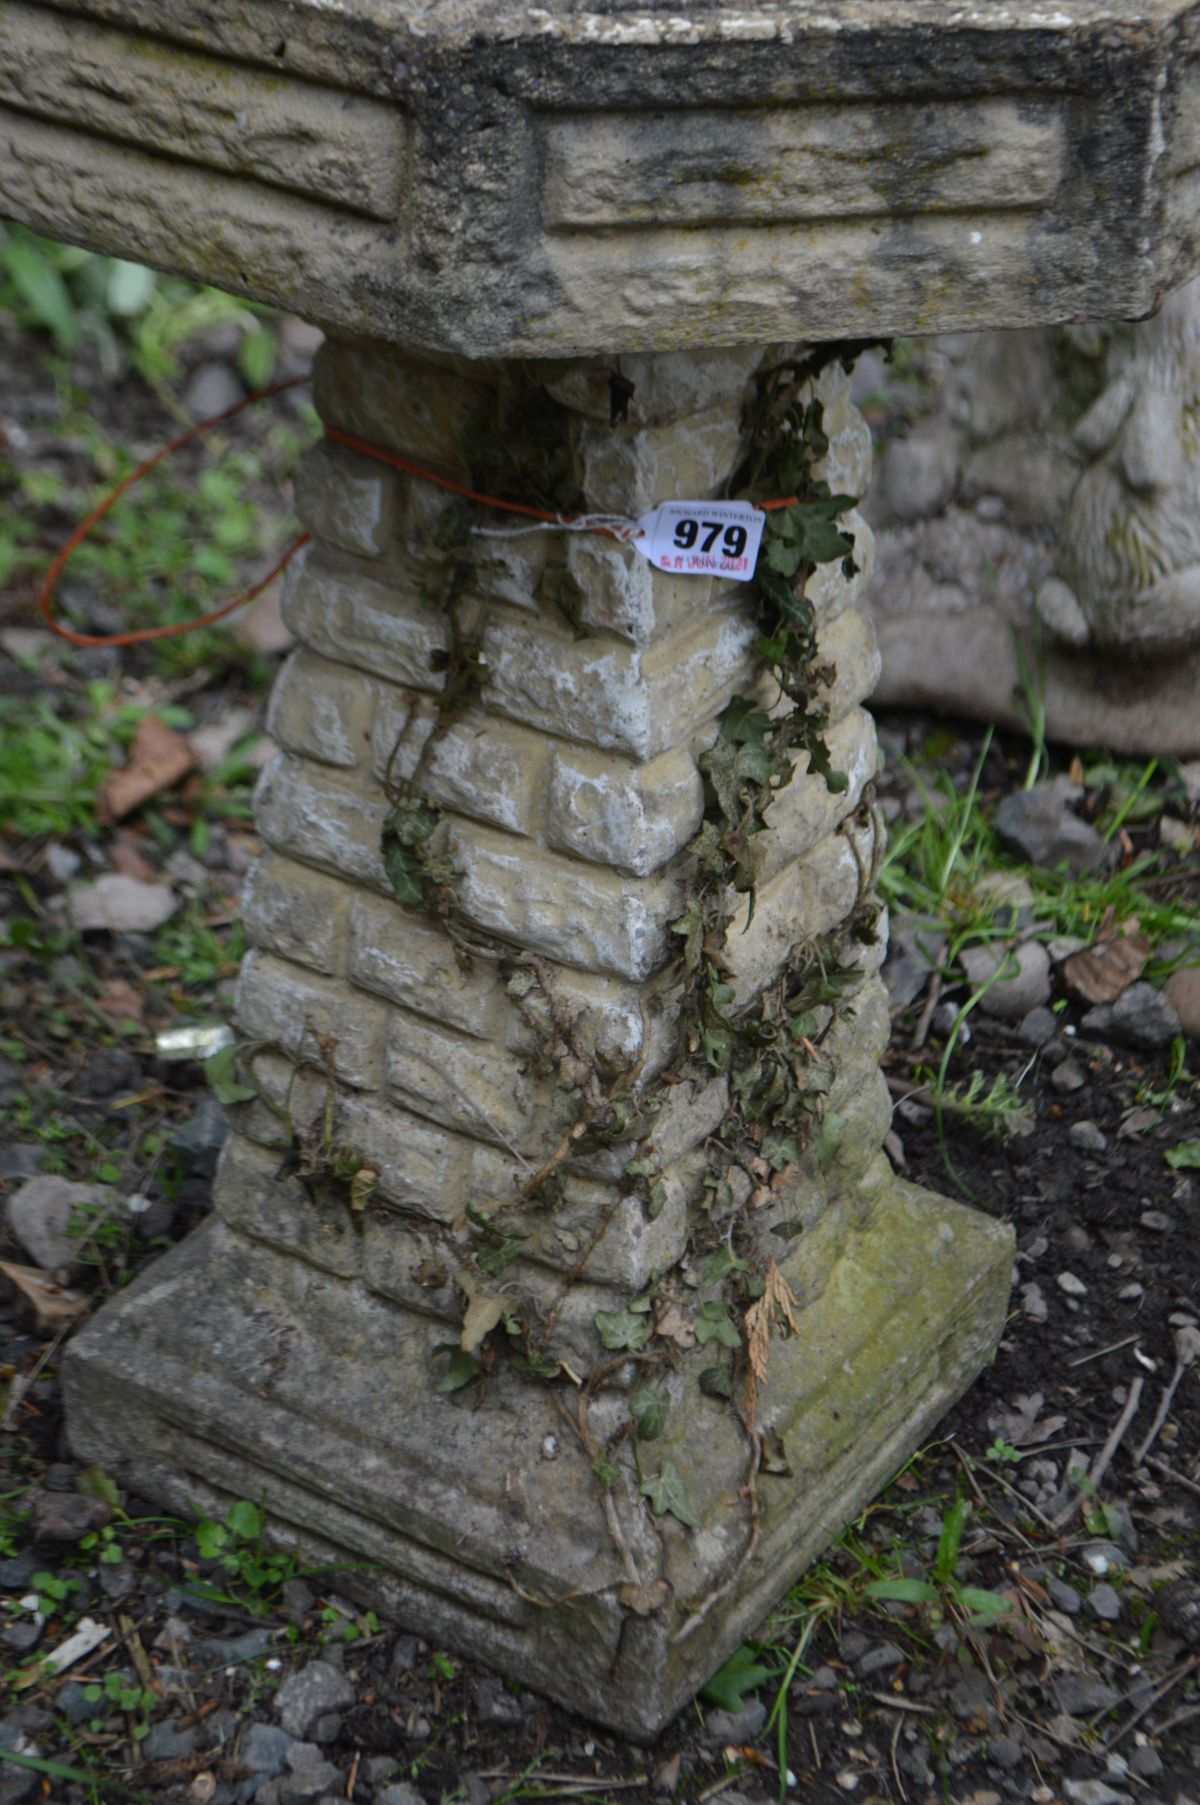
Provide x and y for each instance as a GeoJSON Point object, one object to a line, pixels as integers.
{"type": "Point", "coordinates": [231, 1371]}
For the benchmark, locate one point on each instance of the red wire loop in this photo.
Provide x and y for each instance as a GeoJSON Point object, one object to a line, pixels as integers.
{"type": "Point", "coordinates": [363, 446]}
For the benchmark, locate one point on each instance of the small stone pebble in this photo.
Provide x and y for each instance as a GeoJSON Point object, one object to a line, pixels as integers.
{"type": "Point", "coordinates": [1128, 1293]}
{"type": "Point", "coordinates": [263, 1749]}
{"type": "Point", "coordinates": [1080, 1694]}
{"type": "Point", "coordinates": [1033, 1303]}
{"type": "Point", "coordinates": [67, 1516]}
{"type": "Point", "coordinates": [722, 1727]}
{"type": "Point", "coordinates": [1145, 1762]}
{"type": "Point", "coordinates": [310, 1775]}
{"type": "Point", "coordinates": [876, 1659]}
{"type": "Point", "coordinates": [1005, 1751]}
{"type": "Point", "coordinates": [1068, 1077]}
{"type": "Point", "coordinates": [1104, 1557]}
{"type": "Point", "coordinates": [1066, 1281]}
{"type": "Point", "coordinates": [495, 1704]}
{"type": "Point", "coordinates": [1087, 1137]}
{"type": "Point", "coordinates": [311, 1693]}
{"type": "Point", "coordinates": [400, 1794]}
{"type": "Point", "coordinates": [1156, 1220]}
{"type": "Point", "coordinates": [168, 1740]}
{"type": "Point", "coordinates": [1103, 1602]}
{"type": "Point", "coordinates": [1065, 1596]}
{"type": "Point", "coordinates": [1093, 1792]}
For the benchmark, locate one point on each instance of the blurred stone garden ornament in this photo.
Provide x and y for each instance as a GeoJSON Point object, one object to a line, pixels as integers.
{"type": "Point", "coordinates": [557, 1101]}
{"type": "Point", "coordinates": [1040, 533]}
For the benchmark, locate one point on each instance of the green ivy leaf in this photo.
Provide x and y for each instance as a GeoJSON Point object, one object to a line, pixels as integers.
{"type": "Point", "coordinates": [779, 1150]}
{"type": "Point", "coordinates": [649, 1410]}
{"type": "Point", "coordinates": [691, 926]}
{"type": "Point", "coordinates": [742, 1673]}
{"type": "Point", "coordinates": [620, 1329]}
{"type": "Point", "coordinates": [716, 1382]}
{"type": "Point", "coordinates": [1184, 1156]}
{"type": "Point", "coordinates": [605, 1471]}
{"type": "Point", "coordinates": [713, 1324]}
{"type": "Point", "coordinates": [668, 1494]}
{"type": "Point", "coordinates": [462, 1367]}
{"type": "Point", "coordinates": [220, 1069]}
{"type": "Point", "coordinates": [720, 1266]}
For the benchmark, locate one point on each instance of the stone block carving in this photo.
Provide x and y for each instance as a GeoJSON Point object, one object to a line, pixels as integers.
{"type": "Point", "coordinates": [1045, 513]}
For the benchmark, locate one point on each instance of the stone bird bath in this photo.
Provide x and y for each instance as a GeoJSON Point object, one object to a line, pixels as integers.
{"type": "Point", "coordinates": [561, 250]}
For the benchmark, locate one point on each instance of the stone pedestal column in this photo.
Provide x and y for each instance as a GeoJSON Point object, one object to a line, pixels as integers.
{"type": "Point", "coordinates": [488, 1151]}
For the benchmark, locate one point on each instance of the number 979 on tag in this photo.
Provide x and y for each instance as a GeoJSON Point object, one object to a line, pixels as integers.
{"type": "Point", "coordinates": [703, 538]}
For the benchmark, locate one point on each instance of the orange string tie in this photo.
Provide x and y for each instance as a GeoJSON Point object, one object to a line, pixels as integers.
{"type": "Point", "coordinates": [603, 524]}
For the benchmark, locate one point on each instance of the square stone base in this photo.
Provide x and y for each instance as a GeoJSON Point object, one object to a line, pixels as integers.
{"type": "Point", "coordinates": [231, 1371]}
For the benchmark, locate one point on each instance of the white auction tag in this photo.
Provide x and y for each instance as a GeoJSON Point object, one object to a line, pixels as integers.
{"type": "Point", "coordinates": [702, 538]}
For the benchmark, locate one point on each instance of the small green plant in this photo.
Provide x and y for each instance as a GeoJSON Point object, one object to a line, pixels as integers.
{"type": "Point", "coordinates": [942, 1593]}
{"type": "Point", "coordinates": [442, 1668]}
{"type": "Point", "coordinates": [1002, 1450]}
{"type": "Point", "coordinates": [236, 1544]}
{"type": "Point", "coordinates": [998, 1112]}
{"type": "Point", "coordinates": [116, 1693]}
{"type": "Point", "coordinates": [53, 1590]}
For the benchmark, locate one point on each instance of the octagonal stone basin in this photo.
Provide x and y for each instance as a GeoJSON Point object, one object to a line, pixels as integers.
{"type": "Point", "coordinates": [507, 180]}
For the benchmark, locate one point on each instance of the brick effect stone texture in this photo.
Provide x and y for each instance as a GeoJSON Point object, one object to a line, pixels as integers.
{"type": "Point", "coordinates": [569, 787]}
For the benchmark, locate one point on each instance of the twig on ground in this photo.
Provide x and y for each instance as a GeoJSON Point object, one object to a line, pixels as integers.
{"type": "Point", "coordinates": [1169, 1472]}
{"type": "Point", "coordinates": [1099, 1353]}
{"type": "Point", "coordinates": [1172, 1680]}
{"type": "Point", "coordinates": [895, 1763]}
{"type": "Point", "coordinates": [902, 1704]}
{"type": "Point", "coordinates": [1104, 1458]}
{"type": "Point", "coordinates": [1187, 1347]}
{"type": "Point", "coordinates": [921, 1031]}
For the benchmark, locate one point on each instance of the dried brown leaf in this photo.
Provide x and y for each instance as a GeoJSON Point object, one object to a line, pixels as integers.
{"type": "Point", "coordinates": [1106, 969]}
{"type": "Point", "coordinates": [53, 1304]}
{"type": "Point", "coordinates": [158, 758]}
{"type": "Point", "coordinates": [672, 1325]}
{"type": "Point", "coordinates": [482, 1313]}
{"type": "Point", "coordinates": [644, 1601]}
{"type": "Point", "coordinates": [774, 1305]}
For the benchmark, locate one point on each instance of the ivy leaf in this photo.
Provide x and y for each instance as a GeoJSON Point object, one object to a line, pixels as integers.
{"type": "Point", "coordinates": [619, 1329]}
{"type": "Point", "coordinates": [691, 926]}
{"type": "Point", "coordinates": [403, 872]}
{"type": "Point", "coordinates": [220, 1069]}
{"type": "Point", "coordinates": [462, 1369]}
{"type": "Point", "coordinates": [649, 1409]}
{"type": "Point", "coordinates": [668, 1494]}
{"type": "Point", "coordinates": [605, 1471]}
{"type": "Point", "coordinates": [783, 555]}
{"type": "Point", "coordinates": [742, 1673]}
{"type": "Point", "coordinates": [1184, 1156]}
{"type": "Point", "coordinates": [779, 1150]}
{"type": "Point", "coordinates": [722, 1263]}
{"type": "Point", "coordinates": [713, 1324]}
{"type": "Point", "coordinates": [716, 1382]}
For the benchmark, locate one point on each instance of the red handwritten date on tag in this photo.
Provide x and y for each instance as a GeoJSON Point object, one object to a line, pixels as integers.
{"type": "Point", "coordinates": [702, 538]}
